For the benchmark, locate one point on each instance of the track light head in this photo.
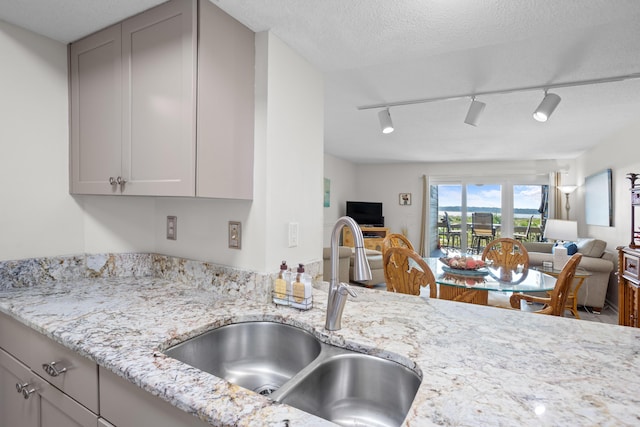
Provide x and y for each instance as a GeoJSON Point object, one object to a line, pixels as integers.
{"type": "Point", "coordinates": [546, 107]}
{"type": "Point", "coordinates": [475, 109]}
{"type": "Point", "coordinates": [385, 121]}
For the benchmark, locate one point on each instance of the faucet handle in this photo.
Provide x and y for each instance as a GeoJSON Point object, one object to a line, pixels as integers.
{"type": "Point", "coordinates": [343, 288]}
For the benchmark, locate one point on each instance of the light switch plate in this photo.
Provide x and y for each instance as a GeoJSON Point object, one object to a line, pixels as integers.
{"type": "Point", "coordinates": [293, 234]}
{"type": "Point", "coordinates": [172, 227]}
{"type": "Point", "coordinates": [235, 234]}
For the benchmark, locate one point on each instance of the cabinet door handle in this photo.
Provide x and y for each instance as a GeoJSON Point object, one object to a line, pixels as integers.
{"type": "Point", "coordinates": [52, 369]}
{"type": "Point", "coordinates": [121, 181]}
{"type": "Point", "coordinates": [112, 181]}
{"type": "Point", "coordinates": [26, 389]}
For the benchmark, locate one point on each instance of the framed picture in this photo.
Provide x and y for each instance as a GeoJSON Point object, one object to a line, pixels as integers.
{"type": "Point", "coordinates": [405, 199]}
{"type": "Point", "coordinates": [597, 199]}
{"type": "Point", "coordinates": [327, 192]}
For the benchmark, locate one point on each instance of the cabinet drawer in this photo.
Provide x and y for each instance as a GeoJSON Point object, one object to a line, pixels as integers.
{"type": "Point", "coordinates": [45, 405]}
{"type": "Point", "coordinates": [630, 267]}
{"type": "Point", "coordinates": [75, 375]}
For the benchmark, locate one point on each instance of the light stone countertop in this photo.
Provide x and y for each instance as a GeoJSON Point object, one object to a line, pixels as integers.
{"type": "Point", "coordinates": [480, 365]}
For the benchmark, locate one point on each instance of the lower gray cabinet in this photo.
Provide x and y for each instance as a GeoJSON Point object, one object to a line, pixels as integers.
{"type": "Point", "coordinates": [125, 404]}
{"type": "Point", "coordinates": [44, 384]}
{"type": "Point", "coordinates": [27, 400]}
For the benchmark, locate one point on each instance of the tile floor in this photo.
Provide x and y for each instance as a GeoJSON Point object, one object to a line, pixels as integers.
{"type": "Point", "coordinates": [607, 315]}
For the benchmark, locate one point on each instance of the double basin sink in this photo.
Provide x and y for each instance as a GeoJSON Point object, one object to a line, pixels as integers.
{"type": "Point", "coordinates": [291, 366]}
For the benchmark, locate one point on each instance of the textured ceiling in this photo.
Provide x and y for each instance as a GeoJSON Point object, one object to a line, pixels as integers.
{"type": "Point", "coordinates": [379, 51]}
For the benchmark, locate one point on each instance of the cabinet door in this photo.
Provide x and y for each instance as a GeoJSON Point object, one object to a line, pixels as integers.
{"type": "Point", "coordinates": [96, 119]}
{"type": "Point", "coordinates": [226, 69]}
{"type": "Point", "coordinates": [15, 410]}
{"type": "Point", "coordinates": [159, 48]}
{"type": "Point", "coordinates": [125, 404]}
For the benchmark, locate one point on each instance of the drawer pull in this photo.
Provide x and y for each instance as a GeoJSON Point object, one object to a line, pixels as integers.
{"type": "Point", "coordinates": [52, 369]}
{"type": "Point", "coordinates": [26, 389]}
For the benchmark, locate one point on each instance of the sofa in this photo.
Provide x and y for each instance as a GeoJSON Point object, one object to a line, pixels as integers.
{"type": "Point", "coordinates": [344, 258]}
{"type": "Point", "coordinates": [595, 259]}
{"type": "Point", "coordinates": [377, 268]}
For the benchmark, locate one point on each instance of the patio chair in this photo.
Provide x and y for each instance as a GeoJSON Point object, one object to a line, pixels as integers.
{"type": "Point", "coordinates": [451, 234]}
{"type": "Point", "coordinates": [523, 237]}
{"type": "Point", "coordinates": [481, 229]}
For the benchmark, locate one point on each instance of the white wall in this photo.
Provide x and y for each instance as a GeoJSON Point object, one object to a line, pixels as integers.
{"type": "Point", "coordinates": [287, 178]}
{"type": "Point", "coordinates": [40, 218]}
{"type": "Point", "coordinates": [621, 153]}
{"type": "Point", "coordinates": [118, 224]}
{"type": "Point", "coordinates": [37, 215]}
{"type": "Point", "coordinates": [294, 155]}
{"type": "Point", "coordinates": [342, 174]}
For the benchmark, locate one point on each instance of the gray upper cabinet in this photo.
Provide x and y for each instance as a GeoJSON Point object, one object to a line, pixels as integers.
{"type": "Point", "coordinates": [225, 105]}
{"type": "Point", "coordinates": [180, 65]}
{"type": "Point", "coordinates": [96, 118]}
{"type": "Point", "coordinates": [158, 120]}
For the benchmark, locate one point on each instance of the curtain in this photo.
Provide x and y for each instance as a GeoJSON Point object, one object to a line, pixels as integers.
{"type": "Point", "coordinates": [423, 222]}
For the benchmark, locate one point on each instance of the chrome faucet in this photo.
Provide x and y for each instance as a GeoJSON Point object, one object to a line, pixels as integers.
{"type": "Point", "coordinates": [361, 272]}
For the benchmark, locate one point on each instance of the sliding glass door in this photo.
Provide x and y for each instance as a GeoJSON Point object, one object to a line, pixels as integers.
{"type": "Point", "coordinates": [511, 209]}
{"type": "Point", "coordinates": [484, 215]}
{"type": "Point", "coordinates": [530, 208]}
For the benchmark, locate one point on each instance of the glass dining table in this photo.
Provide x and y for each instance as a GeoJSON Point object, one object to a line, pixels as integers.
{"type": "Point", "coordinates": [473, 286]}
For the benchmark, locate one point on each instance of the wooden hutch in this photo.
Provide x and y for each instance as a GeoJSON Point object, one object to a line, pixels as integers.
{"type": "Point", "coordinates": [628, 267]}
{"type": "Point", "coordinates": [373, 237]}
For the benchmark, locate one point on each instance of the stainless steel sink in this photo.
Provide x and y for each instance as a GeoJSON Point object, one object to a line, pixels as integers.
{"type": "Point", "coordinates": [291, 366]}
{"type": "Point", "coordinates": [353, 389]}
{"type": "Point", "coordinates": [260, 356]}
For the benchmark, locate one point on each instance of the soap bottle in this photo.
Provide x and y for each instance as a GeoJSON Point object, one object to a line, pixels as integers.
{"type": "Point", "coordinates": [282, 286]}
{"type": "Point", "coordinates": [302, 295]}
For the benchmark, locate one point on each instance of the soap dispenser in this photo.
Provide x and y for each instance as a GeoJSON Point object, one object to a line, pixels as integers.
{"type": "Point", "coordinates": [302, 294]}
{"type": "Point", "coordinates": [282, 285]}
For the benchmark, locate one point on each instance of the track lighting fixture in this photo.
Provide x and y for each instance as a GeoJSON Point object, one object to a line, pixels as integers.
{"type": "Point", "coordinates": [542, 113]}
{"type": "Point", "coordinates": [385, 121]}
{"type": "Point", "coordinates": [546, 107]}
{"type": "Point", "coordinates": [475, 109]}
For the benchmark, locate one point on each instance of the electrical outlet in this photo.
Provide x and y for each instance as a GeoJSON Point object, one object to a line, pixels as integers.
{"type": "Point", "coordinates": [172, 227]}
{"type": "Point", "coordinates": [235, 234]}
{"type": "Point", "coordinates": [293, 234]}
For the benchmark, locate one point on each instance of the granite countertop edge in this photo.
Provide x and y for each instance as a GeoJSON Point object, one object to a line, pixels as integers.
{"type": "Point", "coordinates": [480, 365]}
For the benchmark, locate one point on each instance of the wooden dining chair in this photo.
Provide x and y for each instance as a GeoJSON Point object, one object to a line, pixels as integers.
{"type": "Point", "coordinates": [555, 303]}
{"type": "Point", "coordinates": [395, 240]}
{"type": "Point", "coordinates": [405, 272]}
{"type": "Point", "coordinates": [507, 253]}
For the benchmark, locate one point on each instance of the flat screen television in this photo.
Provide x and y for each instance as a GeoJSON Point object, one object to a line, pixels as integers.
{"type": "Point", "coordinates": [366, 213]}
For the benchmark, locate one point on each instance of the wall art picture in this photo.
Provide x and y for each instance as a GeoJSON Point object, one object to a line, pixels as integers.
{"type": "Point", "coordinates": [597, 199]}
{"type": "Point", "coordinates": [327, 192]}
{"type": "Point", "coordinates": [405, 199]}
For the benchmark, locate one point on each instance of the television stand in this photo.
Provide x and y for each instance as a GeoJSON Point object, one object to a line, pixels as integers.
{"type": "Point", "coordinates": [373, 237]}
